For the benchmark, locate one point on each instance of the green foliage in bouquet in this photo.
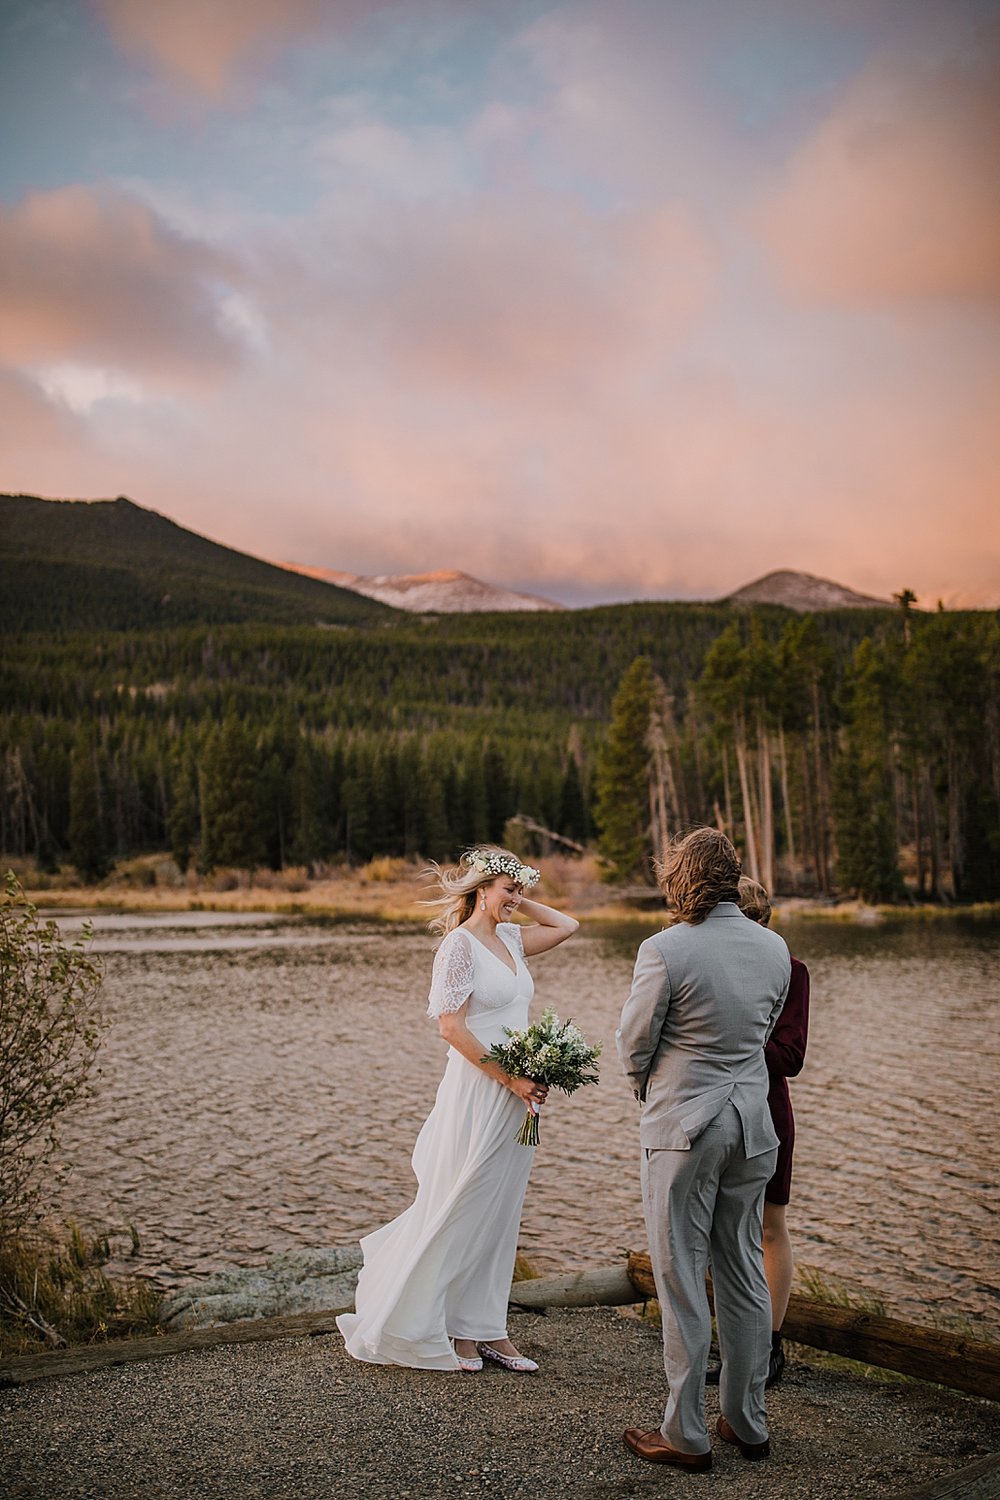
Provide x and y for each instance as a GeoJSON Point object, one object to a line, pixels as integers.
{"type": "Point", "coordinates": [552, 1052]}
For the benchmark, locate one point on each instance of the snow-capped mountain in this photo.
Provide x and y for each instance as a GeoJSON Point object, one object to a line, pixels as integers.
{"type": "Point", "coordinates": [803, 592]}
{"type": "Point", "coordinates": [444, 592]}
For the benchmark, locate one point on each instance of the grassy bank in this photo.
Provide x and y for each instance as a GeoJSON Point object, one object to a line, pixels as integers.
{"type": "Point", "coordinates": [54, 1293]}
{"type": "Point", "coordinates": [391, 890]}
{"type": "Point", "coordinates": [385, 889]}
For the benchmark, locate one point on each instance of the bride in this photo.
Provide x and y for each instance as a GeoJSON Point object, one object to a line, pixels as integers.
{"type": "Point", "coordinates": [434, 1287]}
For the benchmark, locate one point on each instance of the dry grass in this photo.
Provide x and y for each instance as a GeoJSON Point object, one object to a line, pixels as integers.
{"type": "Point", "coordinates": [388, 889]}
{"type": "Point", "coordinates": [53, 1291]}
{"type": "Point", "coordinates": [821, 1286]}
{"type": "Point", "coordinates": [386, 870]}
{"type": "Point", "coordinates": [524, 1269]}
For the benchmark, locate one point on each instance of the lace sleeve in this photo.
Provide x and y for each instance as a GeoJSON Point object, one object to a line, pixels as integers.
{"type": "Point", "coordinates": [451, 980]}
{"type": "Point", "coordinates": [513, 935]}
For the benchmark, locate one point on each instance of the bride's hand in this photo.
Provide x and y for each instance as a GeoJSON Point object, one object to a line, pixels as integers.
{"type": "Point", "coordinates": [528, 1090]}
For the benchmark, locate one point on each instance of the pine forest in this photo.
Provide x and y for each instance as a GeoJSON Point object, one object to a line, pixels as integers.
{"type": "Point", "coordinates": [853, 751]}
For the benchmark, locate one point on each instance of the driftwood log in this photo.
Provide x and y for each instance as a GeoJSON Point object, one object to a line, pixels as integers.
{"type": "Point", "coordinates": [24, 1368]}
{"type": "Point", "coordinates": [610, 1288]}
{"type": "Point", "coordinates": [949, 1359]}
{"type": "Point", "coordinates": [978, 1481]}
{"type": "Point", "coordinates": [924, 1353]}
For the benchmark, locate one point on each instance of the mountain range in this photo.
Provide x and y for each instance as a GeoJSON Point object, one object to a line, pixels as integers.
{"type": "Point", "coordinates": [446, 592]}
{"type": "Point", "coordinates": [112, 564]}
{"type": "Point", "coordinates": [452, 592]}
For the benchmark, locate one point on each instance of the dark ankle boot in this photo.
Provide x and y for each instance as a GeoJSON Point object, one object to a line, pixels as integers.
{"type": "Point", "coordinates": [776, 1361]}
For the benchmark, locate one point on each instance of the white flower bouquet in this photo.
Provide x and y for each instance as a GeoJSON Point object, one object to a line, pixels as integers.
{"type": "Point", "coordinates": [552, 1052]}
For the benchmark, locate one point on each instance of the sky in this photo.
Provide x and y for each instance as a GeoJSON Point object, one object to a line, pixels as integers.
{"type": "Point", "coordinates": [600, 300]}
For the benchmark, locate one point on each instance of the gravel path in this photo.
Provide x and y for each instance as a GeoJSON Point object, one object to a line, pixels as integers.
{"type": "Point", "coordinates": [299, 1420]}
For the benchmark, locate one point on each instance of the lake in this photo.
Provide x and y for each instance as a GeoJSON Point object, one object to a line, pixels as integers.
{"type": "Point", "coordinates": [264, 1079]}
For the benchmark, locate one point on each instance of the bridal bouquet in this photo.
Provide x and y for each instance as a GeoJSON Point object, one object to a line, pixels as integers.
{"type": "Point", "coordinates": [552, 1052]}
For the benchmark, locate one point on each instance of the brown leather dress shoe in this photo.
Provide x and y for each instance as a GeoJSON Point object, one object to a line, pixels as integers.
{"type": "Point", "coordinates": [749, 1450]}
{"type": "Point", "coordinates": [651, 1447]}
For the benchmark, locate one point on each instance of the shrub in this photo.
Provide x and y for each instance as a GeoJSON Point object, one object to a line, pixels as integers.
{"type": "Point", "coordinates": [387, 868]}
{"type": "Point", "coordinates": [50, 1030]}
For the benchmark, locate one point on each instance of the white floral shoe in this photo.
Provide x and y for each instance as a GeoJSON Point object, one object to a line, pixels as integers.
{"type": "Point", "coordinates": [466, 1365]}
{"type": "Point", "coordinates": [513, 1362]}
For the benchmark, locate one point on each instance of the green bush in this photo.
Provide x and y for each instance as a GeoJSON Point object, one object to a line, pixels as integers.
{"type": "Point", "coordinates": [50, 1030]}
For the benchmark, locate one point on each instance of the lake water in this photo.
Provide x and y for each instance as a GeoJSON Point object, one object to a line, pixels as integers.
{"type": "Point", "coordinates": [264, 1079]}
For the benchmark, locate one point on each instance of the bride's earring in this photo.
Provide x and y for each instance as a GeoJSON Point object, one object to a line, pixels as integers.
{"type": "Point", "coordinates": [482, 903]}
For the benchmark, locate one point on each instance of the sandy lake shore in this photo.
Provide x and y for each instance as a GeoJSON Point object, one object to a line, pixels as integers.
{"type": "Point", "coordinates": [299, 1420]}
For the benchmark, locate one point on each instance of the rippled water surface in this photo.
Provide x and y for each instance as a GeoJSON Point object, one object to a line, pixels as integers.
{"type": "Point", "coordinates": [264, 1079]}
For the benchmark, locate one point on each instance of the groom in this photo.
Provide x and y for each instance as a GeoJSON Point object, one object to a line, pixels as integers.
{"type": "Point", "coordinates": [705, 996]}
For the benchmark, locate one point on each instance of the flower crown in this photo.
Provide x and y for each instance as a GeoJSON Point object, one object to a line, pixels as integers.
{"type": "Point", "coordinates": [502, 864]}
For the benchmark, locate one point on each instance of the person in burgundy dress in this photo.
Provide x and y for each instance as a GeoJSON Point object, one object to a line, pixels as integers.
{"type": "Point", "coordinates": [784, 1054]}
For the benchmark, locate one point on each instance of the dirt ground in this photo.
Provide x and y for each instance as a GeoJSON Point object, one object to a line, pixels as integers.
{"type": "Point", "coordinates": [299, 1420]}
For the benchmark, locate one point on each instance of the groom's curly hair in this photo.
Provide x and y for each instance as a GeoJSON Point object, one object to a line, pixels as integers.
{"type": "Point", "coordinates": [698, 870]}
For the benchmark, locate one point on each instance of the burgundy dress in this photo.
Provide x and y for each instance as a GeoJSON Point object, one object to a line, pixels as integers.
{"type": "Point", "coordinates": [784, 1054]}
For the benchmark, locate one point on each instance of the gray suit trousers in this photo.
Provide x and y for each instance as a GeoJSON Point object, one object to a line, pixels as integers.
{"type": "Point", "coordinates": [706, 1204]}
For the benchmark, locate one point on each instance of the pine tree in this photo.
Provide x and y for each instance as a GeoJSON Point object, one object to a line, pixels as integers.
{"type": "Point", "coordinates": [87, 840]}
{"type": "Point", "coordinates": [807, 666]}
{"type": "Point", "coordinates": [434, 830]}
{"type": "Point", "coordinates": [863, 789]}
{"type": "Point", "coordinates": [573, 819]}
{"type": "Point", "coordinates": [231, 833]}
{"type": "Point", "coordinates": [309, 835]}
{"type": "Point", "coordinates": [475, 827]}
{"type": "Point", "coordinates": [622, 812]}
{"type": "Point", "coordinates": [357, 790]}
{"type": "Point", "coordinates": [184, 816]}
{"type": "Point", "coordinates": [499, 804]}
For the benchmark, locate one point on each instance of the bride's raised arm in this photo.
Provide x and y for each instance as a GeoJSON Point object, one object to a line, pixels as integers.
{"type": "Point", "coordinates": [546, 928]}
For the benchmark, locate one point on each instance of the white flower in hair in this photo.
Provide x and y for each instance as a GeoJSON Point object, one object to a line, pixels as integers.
{"type": "Point", "coordinates": [494, 863]}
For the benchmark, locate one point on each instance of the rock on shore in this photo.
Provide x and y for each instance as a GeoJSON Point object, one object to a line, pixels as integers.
{"type": "Point", "coordinates": [297, 1281]}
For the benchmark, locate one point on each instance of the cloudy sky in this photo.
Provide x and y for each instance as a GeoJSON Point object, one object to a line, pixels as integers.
{"type": "Point", "coordinates": [604, 299]}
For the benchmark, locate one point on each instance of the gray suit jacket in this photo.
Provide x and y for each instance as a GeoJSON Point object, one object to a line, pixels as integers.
{"type": "Point", "coordinates": [704, 1000]}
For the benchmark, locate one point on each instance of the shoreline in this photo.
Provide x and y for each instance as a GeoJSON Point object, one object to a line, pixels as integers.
{"type": "Point", "coordinates": [351, 896]}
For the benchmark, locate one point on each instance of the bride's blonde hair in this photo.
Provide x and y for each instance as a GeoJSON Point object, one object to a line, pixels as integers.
{"type": "Point", "coordinates": [459, 884]}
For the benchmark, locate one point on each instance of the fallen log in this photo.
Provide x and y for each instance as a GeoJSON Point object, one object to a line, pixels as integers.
{"type": "Point", "coordinates": [23, 1368]}
{"type": "Point", "coordinates": [924, 1353]}
{"type": "Point", "coordinates": [978, 1481]}
{"type": "Point", "coordinates": [949, 1359]}
{"type": "Point", "coordinates": [610, 1288]}
{"type": "Point", "coordinates": [605, 1288]}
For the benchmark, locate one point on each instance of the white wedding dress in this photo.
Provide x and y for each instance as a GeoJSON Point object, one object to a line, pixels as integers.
{"type": "Point", "coordinates": [443, 1269]}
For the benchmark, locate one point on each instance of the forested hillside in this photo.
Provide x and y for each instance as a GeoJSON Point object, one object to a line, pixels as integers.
{"type": "Point", "coordinates": [839, 749]}
{"type": "Point", "coordinates": [111, 564]}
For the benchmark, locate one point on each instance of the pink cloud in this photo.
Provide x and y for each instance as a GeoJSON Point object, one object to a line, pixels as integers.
{"type": "Point", "coordinates": [206, 45]}
{"type": "Point", "coordinates": [93, 276]}
{"type": "Point", "coordinates": [201, 42]}
{"type": "Point", "coordinates": [498, 296]}
{"type": "Point", "coordinates": [32, 426]}
{"type": "Point", "coordinates": [894, 196]}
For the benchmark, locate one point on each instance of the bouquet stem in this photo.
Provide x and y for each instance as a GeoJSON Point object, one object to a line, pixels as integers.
{"type": "Point", "coordinates": [528, 1133]}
